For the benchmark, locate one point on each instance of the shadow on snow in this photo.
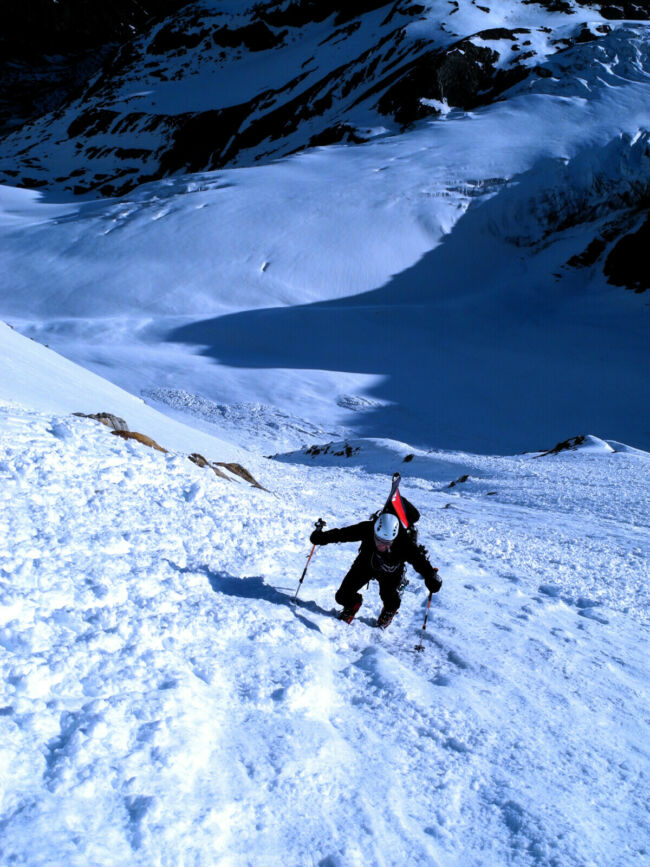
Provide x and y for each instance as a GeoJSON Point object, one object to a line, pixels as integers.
{"type": "Point", "coordinates": [254, 587]}
{"type": "Point", "coordinates": [479, 347]}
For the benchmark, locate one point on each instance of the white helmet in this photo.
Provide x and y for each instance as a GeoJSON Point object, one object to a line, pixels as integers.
{"type": "Point", "coordinates": [386, 527]}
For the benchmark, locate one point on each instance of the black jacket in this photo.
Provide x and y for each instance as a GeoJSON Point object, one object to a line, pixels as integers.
{"type": "Point", "coordinates": [378, 563]}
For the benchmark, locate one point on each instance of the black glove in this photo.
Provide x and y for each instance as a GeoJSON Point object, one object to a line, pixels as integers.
{"type": "Point", "coordinates": [432, 582]}
{"type": "Point", "coordinates": [317, 537]}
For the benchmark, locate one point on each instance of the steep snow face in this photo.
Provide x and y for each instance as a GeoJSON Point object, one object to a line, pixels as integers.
{"type": "Point", "coordinates": [163, 701]}
{"type": "Point", "coordinates": [231, 84]}
{"type": "Point", "coordinates": [35, 376]}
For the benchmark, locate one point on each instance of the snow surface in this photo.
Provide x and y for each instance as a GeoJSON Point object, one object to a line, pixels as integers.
{"type": "Point", "coordinates": [408, 303]}
{"type": "Point", "coordinates": [427, 273]}
{"type": "Point", "coordinates": [164, 702]}
{"type": "Point", "coordinates": [34, 374]}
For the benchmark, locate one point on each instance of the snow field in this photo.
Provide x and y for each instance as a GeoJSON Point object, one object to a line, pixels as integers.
{"type": "Point", "coordinates": [90, 605]}
{"type": "Point", "coordinates": [320, 258]}
{"type": "Point", "coordinates": [164, 702]}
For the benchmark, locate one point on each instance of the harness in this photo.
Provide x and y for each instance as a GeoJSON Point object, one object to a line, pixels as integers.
{"type": "Point", "coordinates": [378, 564]}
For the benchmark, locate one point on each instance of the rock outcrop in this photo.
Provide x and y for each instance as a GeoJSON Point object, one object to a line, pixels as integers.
{"type": "Point", "coordinates": [50, 49]}
{"type": "Point", "coordinates": [121, 429]}
{"type": "Point", "coordinates": [113, 421]}
{"type": "Point", "coordinates": [140, 438]}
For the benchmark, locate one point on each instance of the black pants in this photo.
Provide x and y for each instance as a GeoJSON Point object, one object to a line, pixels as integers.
{"type": "Point", "coordinates": [360, 573]}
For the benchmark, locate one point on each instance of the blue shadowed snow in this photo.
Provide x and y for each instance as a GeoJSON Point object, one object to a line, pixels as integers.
{"type": "Point", "coordinates": [163, 700]}
{"type": "Point", "coordinates": [475, 347]}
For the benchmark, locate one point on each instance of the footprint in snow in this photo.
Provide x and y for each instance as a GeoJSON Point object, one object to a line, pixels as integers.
{"type": "Point", "coordinates": [502, 626]}
{"type": "Point", "coordinates": [591, 614]}
{"type": "Point", "coordinates": [587, 608]}
{"type": "Point", "coordinates": [456, 746]}
{"type": "Point", "coordinates": [457, 660]}
{"type": "Point", "coordinates": [137, 807]}
{"type": "Point", "coordinates": [61, 430]}
{"type": "Point", "coordinates": [549, 590]}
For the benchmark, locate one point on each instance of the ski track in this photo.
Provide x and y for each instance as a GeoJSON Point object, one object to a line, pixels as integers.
{"type": "Point", "coordinates": [160, 685]}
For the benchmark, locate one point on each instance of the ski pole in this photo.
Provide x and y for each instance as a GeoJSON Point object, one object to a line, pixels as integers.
{"type": "Point", "coordinates": [420, 646]}
{"type": "Point", "coordinates": [319, 526]}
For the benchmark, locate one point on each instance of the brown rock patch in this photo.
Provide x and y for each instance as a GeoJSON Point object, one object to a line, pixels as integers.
{"type": "Point", "coordinates": [141, 438]}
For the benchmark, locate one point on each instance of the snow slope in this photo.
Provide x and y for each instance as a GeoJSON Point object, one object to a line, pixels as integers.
{"type": "Point", "coordinates": [164, 702]}
{"type": "Point", "coordinates": [34, 375]}
{"type": "Point", "coordinates": [412, 301]}
{"type": "Point", "coordinates": [444, 279]}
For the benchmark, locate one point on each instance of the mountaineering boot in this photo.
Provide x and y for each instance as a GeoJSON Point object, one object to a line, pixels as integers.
{"type": "Point", "coordinates": [347, 615]}
{"type": "Point", "coordinates": [385, 618]}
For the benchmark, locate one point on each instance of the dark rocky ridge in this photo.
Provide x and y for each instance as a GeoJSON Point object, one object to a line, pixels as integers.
{"type": "Point", "coordinates": [614, 10]}
{"type": "Point", "coordinates": [48, 50]}
{"type": "Point", "coordinates": [33, 28]}
{"type": "Point", "coordinates": [627, 263]}
{"type": "Point", "coordinates": [465, 75]}
{"type": "Point", "coordinates": [635, 10]}
{"type": "Point", "coordinates": [102, 140]}
{"type": "Point", "coordinates": [620, 250]}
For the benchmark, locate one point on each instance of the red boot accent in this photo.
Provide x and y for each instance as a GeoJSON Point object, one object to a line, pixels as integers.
{"type": "Point", "coordinates": [347, 615]}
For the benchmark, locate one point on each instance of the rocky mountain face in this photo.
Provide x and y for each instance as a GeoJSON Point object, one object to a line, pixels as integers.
{"type": "Point", "coordinates": [614, 10]}
{"type": "Point", "coordinates": [101, 98]}
{"type": "Point", "coordinates": [139, 92]}
{"type": "Point", "coordinates": [49, 49]}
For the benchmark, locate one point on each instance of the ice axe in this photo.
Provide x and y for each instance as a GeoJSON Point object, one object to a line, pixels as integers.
{"type": "Point", "coordinates": [420, 646]}
{"type": "Point", "coordinates": [319, 526]}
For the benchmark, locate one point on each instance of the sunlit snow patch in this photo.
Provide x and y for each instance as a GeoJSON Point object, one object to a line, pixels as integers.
{"type": "Point", "coordinates": [385, 456]}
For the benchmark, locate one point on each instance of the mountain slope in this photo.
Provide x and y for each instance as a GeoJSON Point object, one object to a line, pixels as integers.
{"type": "Point", "coordinates": [455, 284]}
{"type": "Point", "coordinates": [163, 700]}
{"type": "Point", "coordinates": [50, 50]}
{"type": "Point", "coordinates": [233, 84]}
{"type": "Point", "coordinates": [33, 375]}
